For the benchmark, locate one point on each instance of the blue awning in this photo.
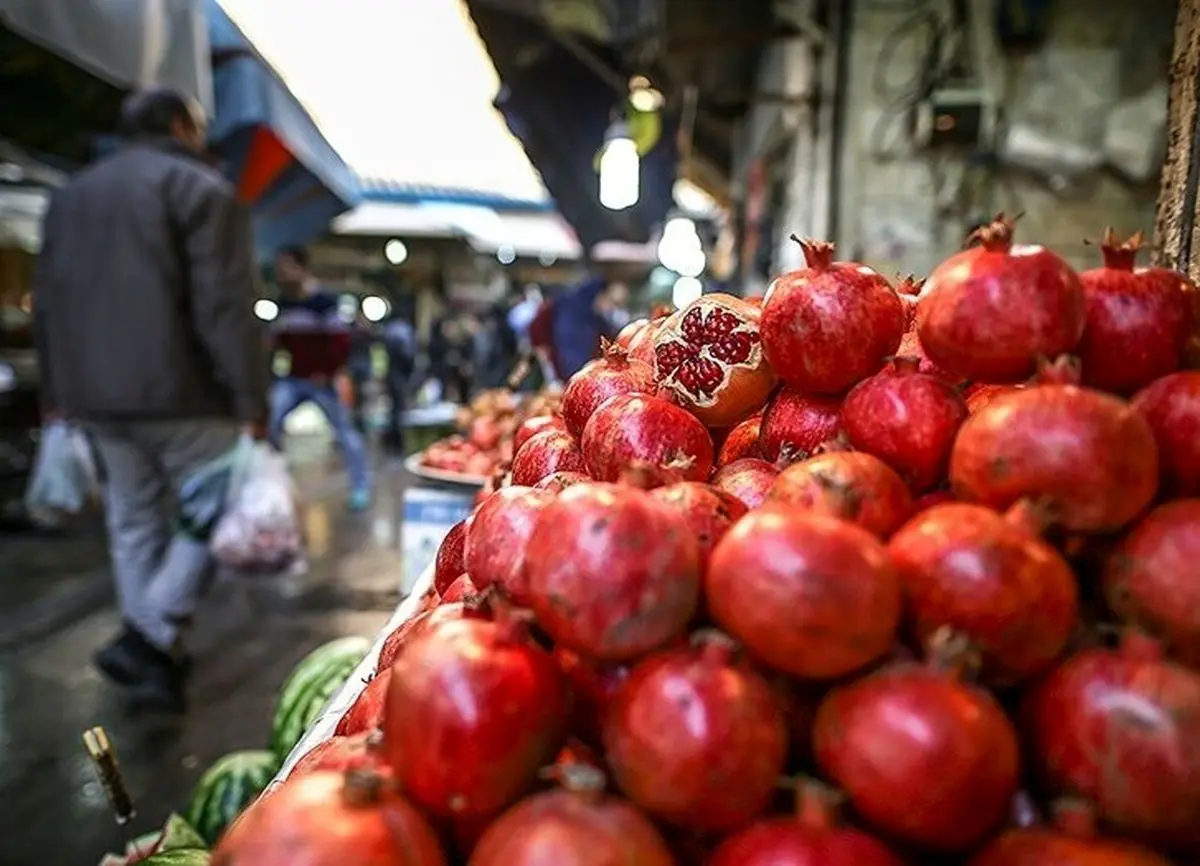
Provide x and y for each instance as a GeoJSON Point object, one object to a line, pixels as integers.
{"type": "Point", "coordinates": [292, 178]}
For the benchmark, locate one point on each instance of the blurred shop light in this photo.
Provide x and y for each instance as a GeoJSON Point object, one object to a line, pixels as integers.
{"type": "Point", "coordinates": [547, 259]}
{"type": "Point", "coordinates": [506, 255]}
{"type": "Point", "coordinates": [643, 95]}
{"type": "Point", "coordinates": [347, 308]}
{"type": "Point", "coordinates": [620, 168]}
{"type": "Point", "coordinates": [375, 308]}
{"type": "Point", "coordinates": [680, 248]}
{"type": "Point", "coordinates": [266, 309]}
{"type": "Point", "coordinates": [686, 290]}
{"type": "Point", "coordinates": [395, 251]}
{"type": "Point", "coordinates": [693, 200]}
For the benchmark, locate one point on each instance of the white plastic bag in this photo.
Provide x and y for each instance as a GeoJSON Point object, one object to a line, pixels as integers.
{"type": "Point", "coordinates": [64, 476]}
{"type": "Point", "coordinates": [259, 531]}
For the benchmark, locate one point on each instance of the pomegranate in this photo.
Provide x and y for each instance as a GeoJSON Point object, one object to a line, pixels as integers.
{"type": "Point", "coordinates": [641, 342]}
{"type": "Point", "coordinates": [827, 601]}
{"type": "Point", "coordinates": [910, 347]}
{"type": "Point", "coordinates": [749, 479]}
{"type": "Point", "coordinates": [1118, 727]}
{"type": "Point", "coordinates": [795, 425]}
{"type": "Point", "coordinates": [707, 511]}
{"type": "Point", "coordinates": [498, 535]}
{"type": "Point", "coordinates": [576, 825]}
{"type": "Point", "coordinates": [709, 356]}
{"type": "Point", "coordinates": [988, 313]}
{"type": "Point", "coordinates": [359, 751]}
{"type": "Point", "coordinates": [1172, 407]}
{"type": "Point", "coordinates": [560, 481]}
{"type": "Point", "coordinates": [846, 484]}
{"type": "Point", "coordinates": [1090, 458]}
{"type": "Point", "coordinates": [1138, 320]}
{"type": "Point", "coordinates": [544, 454]}
{"type": "Point", "coordinates": [934, 497]}
{"type": "Point", "coordinates": [474, 608]}
{"type": "Point", "coordinates": [991, 579]}
{"type": "Point", "coordinates": [1150, 578]}
{"type": "Point", "coordinates": [908, 289]}
{"type": "Point", "coordinates": [449, 563]}
{"type": "Point", "coordinates": [614, 372]}
{"type": "Point", "coordinates": [811, 838]}
{"type": "Point", "coordinates": [611, 571]}
{"type": "Point", "coordinates": [593, 685]}
{"type": "Point", "coordinates": [463, 589]}
{"type": "Point", "coordinates": [696, 738]}
{"type": "Point", "coordinates": [309, 820]}
{"type": "Point", "coordinates": [627, 333]}
{"type": "Point", "coordinates": [633, 428]}
{"type": "Point", "coordinates": [979, 395]}
{"type": "Point", "coordinates": [917, 728]}
{"type": "Point", "coordinates": [475, 709]}
{"type": "Point", "coordinates": [366, 713]}
{"type": "Point", "coordinates": [907, 419]}
{"type": "Point", "coordinates": [826, 326]}
{"type": "Point", "coordinates": [741, 441]}
{"type": "Point", "coordinates": [536, 424]}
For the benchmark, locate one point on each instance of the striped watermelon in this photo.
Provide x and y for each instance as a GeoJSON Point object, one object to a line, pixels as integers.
{"type": "Point", "coordinates": [180, 857]}
{"type": "Point", "coordinates": [228, 787]}
{"type": "Point", "coordinates": [310, 686]}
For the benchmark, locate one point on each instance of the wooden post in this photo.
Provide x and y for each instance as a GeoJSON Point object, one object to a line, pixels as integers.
{"type": "Point", "coordinates": [1176, 235]}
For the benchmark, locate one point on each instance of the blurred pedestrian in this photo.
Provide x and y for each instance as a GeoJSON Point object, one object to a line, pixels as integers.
{"type": "Point", "coordinates": [576, 320]}
{"type": "Point", "coordinates": [400, 342]}
{"type": "Point", "coordinates": [360, 370]}
{"type": "Point", "coordinates": [146, 335]}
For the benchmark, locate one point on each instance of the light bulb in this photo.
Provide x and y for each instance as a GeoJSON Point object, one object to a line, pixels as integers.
{"type": "Point", "coordinates": [395, 251]}
{"type": "Point", "coordinates": [691, 263]}
{"type": "Point", "coordinates": [266, 309]}
{"type": "Point", "coordinates": [686, 290]}
{"type": "Point", "coordinates": [374, 308]}
{"type": "Point", "coordinates": [619, 174]}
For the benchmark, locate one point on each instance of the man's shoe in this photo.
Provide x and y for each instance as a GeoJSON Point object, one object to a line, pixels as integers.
{"type": "Point", "coordinates": [130, 658]}
{"type": "Point", "coordinates": [162, 689]}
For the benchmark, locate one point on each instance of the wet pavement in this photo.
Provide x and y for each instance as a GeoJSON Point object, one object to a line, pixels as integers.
{"type": "Point", "coordinates": [56, 608]}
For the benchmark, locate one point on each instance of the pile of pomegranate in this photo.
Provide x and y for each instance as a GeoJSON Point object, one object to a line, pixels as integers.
{"type": "Point", "coordinates": [767, 591]}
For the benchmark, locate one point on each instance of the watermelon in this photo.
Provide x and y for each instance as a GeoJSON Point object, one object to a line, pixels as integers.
{"type": "Point", "coordinates": [227, 787]}
{"type": "Point", "coordinates": [180, 857]}
{"type": "Point", "coordinates": [176, 834]}
{"type": "Point", "coordinates": [310, 686]}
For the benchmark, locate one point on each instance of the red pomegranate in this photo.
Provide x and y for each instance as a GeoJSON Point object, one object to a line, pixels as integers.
{"type": "Point", "coordinates": [593, 685]}
{"type": "Point", "coordinates": [641, 342]}
{"type": "Point", "coordinates": [309, 820]}
{"type": "Point", "coordinates": [537, 424]}
{"type": "Point", "coordinates": [475, 709]}
{"type": "Point", "coordinates": [635, 428]}
{"type": "Point", "coordinates": [695, 737]}
{"type": "Point", "coordinates": [709, 357]}
{"type": "Point", "coordinates": [927, 501]}
{"type": "Point", "coordinates": [707, 511]}
{"type": "Point", "coordinates": [1150, 577]}
{"type": "Point", "coordinates": [1172, 407]}
{"type": "Point", "coordinates": [366, 713]}
{"type": "Point", "coordinates": [463, 589]}
{"type": "Point", "coordinates": [830, 600]}
{"type": "Point", "coordinates": [449, 563]}
{"type": "Point", "coordinates": [795, 425]}
{"type": "Point", "coordinates": [576, 825]}
{"type": "Point", "coordinates": [498, 535]}
{"type": "Point", "coordinates": [612, 572]}
{"type": "Point", "coordinates": [812, 837]}
{"type": "Point", "coordinates": [978, 395]}
{"type": "Point", "coordinates": [544, 454]}
{"type": "Point", "coordinates": [474, 608]}
{"type": "Point", "coordinates": [908, 289]}
{"type": "Point", "coordinates": [627, 333]}
{"type": "Point", "coordinates": [1118, 727]}
{"type": "Point", "coordinates": [918, 729]}
{"type": "Point", "coordinates": [741, 442]}
{"type": "Point", "coordinates": [1090, 458]}
{"type": "Point", "coordinates": [849, 485]}
{"type": "Point", "coordinates": [826, 326]}
{"type": "Point", "coordinates": [910, 347]}
{"type": "Point", "coordinates": [560, 481]}
{"type": "Point", "coordinates": [992, 580]}
{"type": "Point", "coordinates": [907, 419]}
{"type": "Point", "coordinates": [613, 373]}
{"type": "Point", "coordinates": [989, 313]}
{"type": "Point", "coordinates": [359, 751]}
{"type": "Point", "coordinates": [749, 479]}
{"type": "Point", "coordinates": [1138, 320]}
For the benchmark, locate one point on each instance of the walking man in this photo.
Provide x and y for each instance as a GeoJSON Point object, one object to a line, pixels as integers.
{"type": "Point", "coordinates": [146, 336]}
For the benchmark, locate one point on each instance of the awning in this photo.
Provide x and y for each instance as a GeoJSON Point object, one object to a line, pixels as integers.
{"type": "Point", "coordinates": [293, 179]}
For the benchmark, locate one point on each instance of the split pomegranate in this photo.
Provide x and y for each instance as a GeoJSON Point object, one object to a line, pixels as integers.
{"type": "Point", "coordinates": [611, 571]}
{"type": "Point", "coordinates": [366, 713]}
{"type": "Point", "coordinates": [741, 441]}
{"type": "Point", "coordinates": [907, 419]}
{"type": "Point", "coordinates": [633, 428]}
{"type": "Point", "coordinates": [475, 709]}
{"type": "Point", "coordinates": [593, 685]}
{"type": "Point", "coordinates": [849, 485]}
{"type": "Point", "coordinates": [709, 356]}
{"type": "Point", "coordinates": [1138, 320]}
{"type": "Point", "coordinates": [826, 598]}
{"type": "Point", "coordinates": [536, 424]}
{"type": "Point", "coordinates": [749, 479]}
{"type": "Point", "coordinates": [449, 563]}
{"type": "Point", "coordinates": [1172, 407]}
{"type": "Point", "coordinates": [992, 580]}
{"type": "Point", "coordinates": [560, 481]}
{"type": "Point", "coordinates": [576, 825]}
{"type": "Point", "coordinates": [544, 454]}
{"type": "Point", "coordinates": [498, 535]}
{"type": "Point", "coordinates": [1118, 727]}
{"type": "Point", "coordinates": [978, 395]}
{"type": "Point", "coordinates": [695, 737]}
{"type": "Point", "coordinates": [1089, 457]}
{"type": "Point", "coordinates": [474, 608]}
{"type": "Point", "coordinates": [462, 589]}
{"type": "Point", "coordinates": [339, 753]}
{"type": "Point", "coordinates": [309, 820]}
{"type": "Point", "coordinates": [614, 372]}
{"type": "Point", "coordinates": [795, 425]}
{"type": "Point", "coordinates": [811, 838]}
{"type": "Point", "coordinates": [1150, 578]}
{"type": "Point", "coordinates": [916, 730]}
{"type": "Point", "coordinates": [707, 511]}
{"type": "Point", "coordinates": [830, 324]}
{"type": "Point", "coordinates": [989, 313]}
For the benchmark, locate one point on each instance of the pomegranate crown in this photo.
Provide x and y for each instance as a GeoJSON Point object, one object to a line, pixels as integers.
{"type": "Point", "coordinates": [1116, 253]}
{"type": "Point", "coordinates": [909, 285]}
{"type": "Point", "coordinates": [1063, 370]}
{"type": "Point", "coordinates": [818, 255]}
{"type": "Point", "coordinates": [995, 236]}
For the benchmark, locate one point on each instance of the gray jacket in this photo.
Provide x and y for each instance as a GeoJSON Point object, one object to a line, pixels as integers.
{"type": "Point", "coordinates": [144, 293]}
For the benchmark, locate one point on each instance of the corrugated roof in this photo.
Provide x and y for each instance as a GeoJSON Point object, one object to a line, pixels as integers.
{"type": "Point", "coordinates": [402, 192]}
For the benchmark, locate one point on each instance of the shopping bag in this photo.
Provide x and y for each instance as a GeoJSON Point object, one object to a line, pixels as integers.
{"type": "Point", "coordinates": [64, 478]}
{"type": "Point", "coordinates": [259, 530]}
{"type": "Point", "coordinates": [205, 493]}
